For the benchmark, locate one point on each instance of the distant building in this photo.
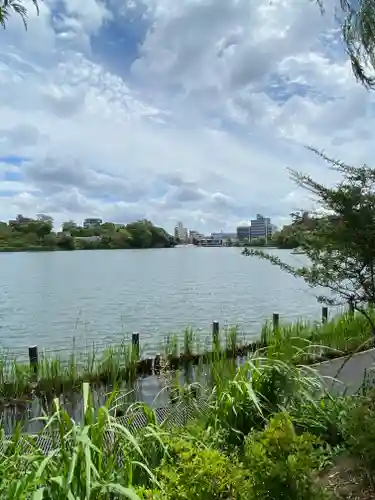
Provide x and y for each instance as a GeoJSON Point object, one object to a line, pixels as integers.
{"type": "Point", "coordinates": [93, 222]}
{"type": "Point", "coordinates": [89, 239]}
{"type": "Point", "coordinates": [260, 227]}
{"type": "Point", "coordinates": [208, 241]}
{"type": "Point", "coordinates": [195, 236]}
{"type": "Point", "coordinates": [181, 233]}
{"type": "Point", "coordinates": [244, 233]}
{"type": "Point", "coordinates": [224, 237]}
{"type": "Point", "coordinates": [19, 220]}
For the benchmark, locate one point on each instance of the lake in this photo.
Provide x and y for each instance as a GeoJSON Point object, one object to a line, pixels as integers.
{"type": "Point", "coordinates": [51, 298]}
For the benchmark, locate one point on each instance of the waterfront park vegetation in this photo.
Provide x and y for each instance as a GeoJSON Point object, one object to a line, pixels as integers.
{"type": "Point", "coordinates": [268, 430]}
{"type": "Point", "coordinates": [302, 341]}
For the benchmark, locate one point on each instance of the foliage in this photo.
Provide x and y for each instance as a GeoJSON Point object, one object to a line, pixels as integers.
{"type": "Point", "coordinates": [303, 342]}
{"type": "Point", "coordinates": [291, 343]}
{"type": "Point", "coordinates": [29, 234]}
{"type": "Point", "coordinates": [139, 234]}
{"type": "Point", "coordinates": [340, 245]}
{"type": "Point", "coordinates": [288, 237]}
{"type": "Point", "coordinates": [194, 471]}
{"type": "Point", "coordinates": [259, 388]}
{"type": "Point", "coordinates": [16, 6]}
{"type": "Point", "coordinates": [325, 417]}
{"type": "Point", "coordinates": [280, 462]}
{"type": "Point", "coordinates": [81, 465]}
{"type": "Point", "coordinates": [358, 32]}
{"type": "Point", "coordinates": [271, 404]}
{"type": "Point", "coordinates": [360, 435]}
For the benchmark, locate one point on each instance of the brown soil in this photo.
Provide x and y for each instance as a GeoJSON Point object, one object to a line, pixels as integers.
{"type": "Point", "coordinates": [346, 482]}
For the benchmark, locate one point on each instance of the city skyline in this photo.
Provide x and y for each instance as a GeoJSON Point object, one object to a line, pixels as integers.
{"type": "Point", "coordinates": [259, 227]}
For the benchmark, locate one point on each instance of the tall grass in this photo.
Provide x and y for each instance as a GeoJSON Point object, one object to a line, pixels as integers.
{"type": "Point", "coordinates": [304, 341]}
{"type": "Point", "coordinates": [301, 341]}
{"type": "Point", "coordinates": [97, 459]}
{"type": "Point", "coordinates": [103, 457]}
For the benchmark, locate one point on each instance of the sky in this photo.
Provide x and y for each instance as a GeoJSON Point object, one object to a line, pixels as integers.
{"type": "Point", "coordinates": [174, 110]}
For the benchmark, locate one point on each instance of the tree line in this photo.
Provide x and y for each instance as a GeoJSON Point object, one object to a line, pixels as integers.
{"type": "Point", "coordinates": [28, 234]}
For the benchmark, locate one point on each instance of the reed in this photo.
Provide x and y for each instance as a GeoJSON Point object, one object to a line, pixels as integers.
{"type": "Point", "coordinates": [97, 459]}
{"type": "Point", "coordinates": [301, 341]}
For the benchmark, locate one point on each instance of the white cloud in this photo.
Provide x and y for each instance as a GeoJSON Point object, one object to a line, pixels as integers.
{"type": "Point", "coordinates": [216, 104]}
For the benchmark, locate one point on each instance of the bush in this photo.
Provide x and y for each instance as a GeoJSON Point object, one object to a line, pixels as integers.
{"type": "Point", "coordinates": [281, 463]}
{"type": "Point", "coordinates": [360, 435]}
{"type": "Point", "coordinates": [325, 418]}
{"type": "Point", "coordinates": [258, 390]}
{"type": "Point", "coordinates": [201, 473]}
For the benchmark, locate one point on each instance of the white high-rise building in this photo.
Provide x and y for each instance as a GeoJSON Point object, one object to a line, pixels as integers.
{"type": "Point", "coordinates": [181, 233]}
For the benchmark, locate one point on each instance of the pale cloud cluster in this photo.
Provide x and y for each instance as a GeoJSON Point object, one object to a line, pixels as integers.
{"type": "Point", "coordinates": [172, 110]}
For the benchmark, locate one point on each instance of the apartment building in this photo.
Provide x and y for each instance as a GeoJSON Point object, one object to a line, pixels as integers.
{"type": "Point", "coordinates": [92, 222]}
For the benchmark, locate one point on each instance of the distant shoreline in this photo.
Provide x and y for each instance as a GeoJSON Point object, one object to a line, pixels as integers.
{"type": "Point", "coordinates": [42, 249]}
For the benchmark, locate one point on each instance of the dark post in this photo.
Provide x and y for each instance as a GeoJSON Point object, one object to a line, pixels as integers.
{"type": "Point", "coordinates": [324, 314]}
{"type": "Point", "coordinates": [33, 357]}
{"type": "Point", "coordinates": [135, 342]}
{"type": "Point", "coordinates": [275, 321]}
{"type": "Point", "coordinates": [215, 332]}
{"type": "Point", "coordinates": [157, 363]}
{"type": "Point", "coordinates": [351, 306]}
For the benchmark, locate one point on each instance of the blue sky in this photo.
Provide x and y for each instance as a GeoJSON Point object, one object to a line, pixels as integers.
{"type": "Point", "coordinates": [190, 110]}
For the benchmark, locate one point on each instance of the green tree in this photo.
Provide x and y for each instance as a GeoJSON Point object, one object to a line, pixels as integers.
{"type": "Point", "coordinates": [340, 245]}
{"type": "Point", "coordinates": [108, 227]}
{"type": "Point", "coordinates": [66, 242]}
{"type": "Point", "coordinates": [358, 34]}
{"type": "Point", "coordinates": [69, 226]}
{"type": "Point", "coordinates": [7, 7]}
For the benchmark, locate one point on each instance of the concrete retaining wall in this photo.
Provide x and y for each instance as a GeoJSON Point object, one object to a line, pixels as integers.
{"type": "Point", "coordinates": [350, 372]}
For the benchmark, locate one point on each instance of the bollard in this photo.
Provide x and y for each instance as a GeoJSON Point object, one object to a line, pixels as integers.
{"type": "Point", "coordinates": [351, 306]}
{"type": "Point", "coordinates": [135, 342]}
{"type": "Point", "coordinates": [157, 363]}
{"type": "Point", "coordinates": [33, 357]}
{"type": "Point", "coordinates": [324, 314]}
{"type": "Point", "coordinates": [215, 332]}
{"type": "Point", "coordinates": [275, 321]}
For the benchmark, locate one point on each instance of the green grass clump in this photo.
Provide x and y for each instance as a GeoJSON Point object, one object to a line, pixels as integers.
{"type": "Point", "coordinates": [306, 341]}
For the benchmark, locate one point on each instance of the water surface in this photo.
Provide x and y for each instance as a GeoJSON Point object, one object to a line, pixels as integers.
{"type": "Point", "coordinates": [51, 298]}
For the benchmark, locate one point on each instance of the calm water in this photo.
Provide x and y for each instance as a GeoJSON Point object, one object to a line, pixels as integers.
{"type": "Point", "coordinates": [102, 296]}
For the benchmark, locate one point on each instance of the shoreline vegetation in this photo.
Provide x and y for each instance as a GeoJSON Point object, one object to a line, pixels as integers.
{"type": "Point", "coordinates": [301, 342]}
{"type": "Point", "coordinates": [24, 234]}
{"type": "Point", "coordinates": [268, 430]}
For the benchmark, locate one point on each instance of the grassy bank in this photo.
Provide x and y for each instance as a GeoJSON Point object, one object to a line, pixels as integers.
{"type": "Point", "coordinates": [302, 342]}
{"type": "Point", "coordinates": [269, 432]}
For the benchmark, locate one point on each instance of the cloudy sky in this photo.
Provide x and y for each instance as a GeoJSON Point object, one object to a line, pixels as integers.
{"type": "Point", "coordinates": [174, 110]}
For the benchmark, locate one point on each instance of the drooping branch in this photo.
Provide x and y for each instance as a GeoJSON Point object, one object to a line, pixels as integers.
{"type": "Point", "coordinates": [358, 34]}
{"type": "Point", "coordinates": [16, 6]}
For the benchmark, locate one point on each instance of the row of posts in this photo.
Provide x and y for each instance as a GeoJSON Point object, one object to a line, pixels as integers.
{"type": "Point", "coordinates": [34, 355]}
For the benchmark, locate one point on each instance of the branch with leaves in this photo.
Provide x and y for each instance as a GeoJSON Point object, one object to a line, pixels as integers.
{"type": "Point", "coordinates": [358, 34]}
{"type": "Point", "coordinates": [340, 245]}
{"type": "Point", "coordinates": [7, 7]}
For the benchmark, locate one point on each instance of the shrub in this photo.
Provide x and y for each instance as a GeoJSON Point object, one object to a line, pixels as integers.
{"type": "Point", "coordinates": [325, 418]}
{"type": "Point", "coordinates": [360, 435]}
{"type": "Point", "coordinates": [201, 473]}
{"type": "Point", "coordinates": [259, 389]}
{"type": "Point", "coordinates": [281, 463]}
